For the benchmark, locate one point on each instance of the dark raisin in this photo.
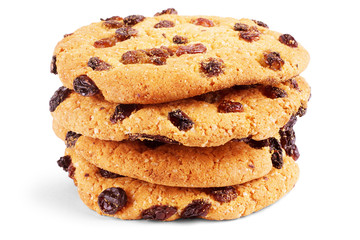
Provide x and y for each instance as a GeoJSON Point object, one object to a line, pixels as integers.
{"type": "Point", "coordinates": [223, 194]}
{"type": "Point", "coordinates": [167, 11]}
{"type": "Point", "coordinates": [112, 200]}
{"type": "Point", "coordinates": [273, 60]}
{"type": "Point", "coordinates": [71, 138]}
{"type": "Point", "coordinates": [276, 153]}
{"type": "Point", "coordinates": [288, 40]}
{"type": "Point", "coordinates": [227, 106]}
{"type": "Point", "coordinates": [152, 144]}
{"type": "Point", "coordinates": [85, 86]}
{"type": "Point", "coordinates": [133, 57]}
{"type": "Point", "coordinates": [294, 84]}
{"type": "Point", "coordinates": [158, 212]}
{"type": "Point", "coordinates": [241, 27]}
{"type": "Point", "coordinates": [113, 24]}
{"type": "Point", "coordinates": [150, 138]}
{"type": "Point", "coordinates": [301, 111]}
{"type": "Point", "coordinates": [179, 39]}
{"type": "Point", "coordinates": [107, 174]}
{"type": "Point", "coordinates": [97, 64]}
{"type": "Point", "coordinates": [125, 33]}
{"type": "Point", "coordinates": [288, 140]}
{"type": "Point", "coordinates": [261, 24]}
{"type": "Point", "coordinates": [274, 92]}
{"type": "Point", "coordinates": [245, 87]}
{"type": "Point", "coordinates": [203, 22]}
{"type": "Point", "coordinates": [64, 162]}
{"type": "Point", "coordinates": [53, 68]}
{"type": "Point", "coordinates": [71, 171]}
{"type": "Point", "coordinates": [252, 34]}
{"type": "Point", "coordinates": [180, 120]}
{"type": "Point", "coordinates": [164, 24]}
{"type": "Point", "coordinates": [59, 96]}
{"type": "Point", "coordinates": [123, 111]}
{"type": "Point", "coordinates": [105, 42]}
{"type": "Point", "coordinates": [258, 144]}
{"type": "Point", "coordinates": [114, 18]}
{"type": "Point", "coordinates": [133, 20]}
{"type": "Point", "coordinates": [291, 123]}
{"type": "Point", "coordinates": [212, 67]}
{"type": "Point", "coordinates": [191, 49]}
{"type": "Point", "coordinates": [197, 208]}
{"type": "Point", "coordinates": [157, 56]}
{"type": "Point", "coordinates": [68, 34]}
{"type": "Point", "coordinates": [210, 97]}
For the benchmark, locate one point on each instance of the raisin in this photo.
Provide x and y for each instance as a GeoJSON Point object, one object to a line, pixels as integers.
{"type": "Point", "coordinates": [180, 120]}
{"type": "Point", "coordinates": [288, 140]}
{"type": "Point", "coordinates": [261, 24]}
{"type": "Point", "coordinates": [223, 194]}
{"type": "Point", "coordinates": [71, 138]}
{"type": "Point", "coordinates": [274, 92]}
{"type": "Point", "coordinates": [241, 27]}
{"type": "Point", "coordinates": [210, 97]}
{"type": "Point", "coordinates": [53, 68]}
{"type": "Point", "coordinates": [164, 24]}
{"type": "Point", "coordinates": [133, 57]}
{"type": "Point", "coordinates": [71, 171]}
{"type": "Point", "coordinates": [125, 33]}
{"type": "Point", "coordinates": [68, 34]}
{"type": "Point", "coordinates": [85, 86]}
{"type": "Point", "coordinates": [64, 162]}
{"type": "Point", "coordinates": [191, 49]}
{"type": "Point", "coordinates": [291, 123]}
{"type": "Point", "coordinates": [107, 174]}
{"type": "Point", "coordinates": [294, 84]}
{"type": "Point", "coordinates": [179, 39]}
{"type": "Point", "coordinates": [59, 96]}
{"type": "Point", "coordinates": [158, 212]}
{"type": "Point", "coordinates": [197, 208]}
{"type": "Point", "coordinates": [167, 11]}
{"type": "Point", "coordinates": [97, 64]}
{"type": "Point", "coordinates": [148, 137]}
{"type": "Point", "coordinates": [133, 20]}
{"type": "Point", "coordinates": [273, 60]}
{"type": "Point", "coordinates": [252, 34]}
{"type": "Point", "coordinates": [112, 200]}
{"type": "Point", "coordinates": [203, 22]}
{"type": "Point", "coordinates": [276, 153]}
{"type": "Point", "coordinates": [114, 18]}
{"type": "Point", "coordinates": [152, 144]}
{"type": "Point", "coordinates": [123, 111]}
{"type": "Point", "coordinates": [245, 87]}
{"type": "Point", "coordinates": [258, 144]}
{"type": "Point", "coordinates": [113, 24]}
{"type": "Point", "coordinates": [301, 111]}
{"type": "Point", "coordinates": [288, 40]}
{"type": "Point", "coordinates": [105, 42]}
{"type": "Point", "coordinates": [227, 106]}
{"type": "Point", "coordinates": [212, 67]}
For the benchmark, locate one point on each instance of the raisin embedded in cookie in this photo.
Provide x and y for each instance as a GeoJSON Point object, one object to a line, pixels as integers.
{"type": "Point", "coordinates": [212, 119]}
{"type": "Point", "coordinates": [117, 56]}
{"type": "Point", "coordinates": [128, 198]}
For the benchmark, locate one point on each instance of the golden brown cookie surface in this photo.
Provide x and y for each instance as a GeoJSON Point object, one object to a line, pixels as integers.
{"type": "Point", "coordinates": [168, 57]}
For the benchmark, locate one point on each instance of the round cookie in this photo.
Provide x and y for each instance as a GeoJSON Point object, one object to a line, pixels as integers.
{"type": "Point", "coordinates": [174, 165]}
{"type": "Point", "coordinates": [170, 57]}
{"type": "Point", "coordinates": [127, 198]}
{"type": "Point", "coordinates": [208, 120]}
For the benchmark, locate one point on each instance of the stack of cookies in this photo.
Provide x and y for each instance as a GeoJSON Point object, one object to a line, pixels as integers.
{"type": "Point", "coordinates": [172, 116]}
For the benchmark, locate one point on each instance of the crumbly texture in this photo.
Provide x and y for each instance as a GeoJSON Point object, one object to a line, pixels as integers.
{"type": "Point", "coordinates": [176, 165]}
{"type": "Point", "coordinates": [181, 75]}
{"type": "Point", "coordinates": [260, 117]}
{"type": "Point", "coordinates": [246, 198]}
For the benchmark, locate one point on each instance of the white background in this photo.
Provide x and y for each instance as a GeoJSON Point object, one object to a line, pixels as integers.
{"type": "Point", "coordinates": [39, 200]}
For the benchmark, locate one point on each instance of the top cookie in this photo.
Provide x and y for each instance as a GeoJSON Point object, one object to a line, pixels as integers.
{"type": "Point", "coordinates": [170, 57]}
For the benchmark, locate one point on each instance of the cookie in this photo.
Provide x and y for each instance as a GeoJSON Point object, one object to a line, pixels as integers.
{"type": "Point", "coordinates": [174, 165]}
{"type": "Point", "coordinates": [208, 120]}
{"type": "Point", "coordinates": [128, 198]}
{"type": "Point", "coordinates": [148, 60]}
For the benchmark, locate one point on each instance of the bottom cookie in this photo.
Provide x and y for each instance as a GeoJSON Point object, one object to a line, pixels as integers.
{"type": "Point", "coordinates": [127, 198]}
